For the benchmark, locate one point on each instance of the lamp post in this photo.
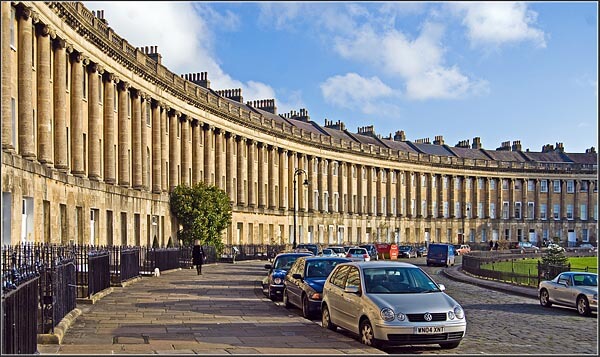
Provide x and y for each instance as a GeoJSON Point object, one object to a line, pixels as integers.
{"type": "Point", "coordinates": [298, 172]}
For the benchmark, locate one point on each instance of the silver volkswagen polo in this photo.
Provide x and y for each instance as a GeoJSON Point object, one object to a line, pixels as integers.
{"type": "Point", "coordinates": [391, 303]}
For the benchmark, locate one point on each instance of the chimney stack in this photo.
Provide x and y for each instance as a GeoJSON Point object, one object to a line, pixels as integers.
{"type": "Point", "coordinates": [400, 136]}
{"type": "Point", "coordinates": [476, 143]}
{"type": "Point", "coordinates": [439, 140]}
{"type": "Point", "coordinates": [463, 144]}
{"type": "Point", "coordinates": [233, 94]}
{"type": "Point", "coordinates": [268, 105]}
{"type": "Point", "coordinates": [302, 115]}
{"type": "Point", "coordinates": [516, 146]}
{"type": "Point", "coordinates": [591, 150]}
{"type": "Point", "coordinates": [422, 141]}
{"type": "Point", "coordinates": [505, 146]}
{"type": "Point", "coordinates": [200, 79]}
{"type": "Point", "coordinates": [339, 125]}
{"type": "Point", "coordinates": [560, 147]}
{"type": "Point", "coordinates": [548, 148]}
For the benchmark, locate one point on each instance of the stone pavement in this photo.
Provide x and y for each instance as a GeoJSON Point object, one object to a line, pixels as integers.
{"type": "Point", "coordinates": [222, 311]}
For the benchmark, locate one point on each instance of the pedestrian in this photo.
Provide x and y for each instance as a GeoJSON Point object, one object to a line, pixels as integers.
{"type": "Point", "coordinates": [496, 245]}
{"type": "Point", "coordinates": [198, 256]}
{"type": "Point", "coordinates": [491, 245]}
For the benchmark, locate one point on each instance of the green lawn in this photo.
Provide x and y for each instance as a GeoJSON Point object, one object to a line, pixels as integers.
{"type": "Point", "coordinates": [529, 266]}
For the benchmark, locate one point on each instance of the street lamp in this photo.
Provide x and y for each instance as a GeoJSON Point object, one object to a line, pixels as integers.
{"type": "Point", "coordinates": [298, 172]}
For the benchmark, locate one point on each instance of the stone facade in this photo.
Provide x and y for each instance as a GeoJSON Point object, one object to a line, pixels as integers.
{"type": "Point", "coordinates": [95, 134]}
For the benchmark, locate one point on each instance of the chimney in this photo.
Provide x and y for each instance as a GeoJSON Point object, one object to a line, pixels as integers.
{"type": "Point", "coordinates": [268, 105]}
{"type": "Point", "coordinates": [152, 52]}
{"type": "Point", "coordinates": [337, 125]}
{"type": "Point", "coordinates": [233, 94]}
{"type": "Point", "coordinates": [100, 16]}
{"type": "Point", "coordinates": [505, 146]}
{"type": "Point", "coordinates": [591, 150]}
{"type": "Point", "coordinates": [367, 130]}
{"type": "Point", "coordinates": [516, 145]}
{"type": "Point", "coordinates": [463, 144]}
{"type": "Point", "coordinates": [560, 147]}
{"type": "Point", "coordinates": [302, 115]}
{"type": "Point", "coordinates": [400, 136]}
{"type": "Point", "coordinates": [200, 79]}
{"type": "Point", "coordinates": [476, 143]}
{"type": "Point", "coordinates": [548, 148]}
{"type": "Point", "coordinates": [422, 141]}
{"type": "Point", "coordinates": [439, 140]}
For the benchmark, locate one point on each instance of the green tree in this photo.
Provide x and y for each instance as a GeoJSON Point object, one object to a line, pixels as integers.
{"type": "Point", "coordinates": [203, 212]}
{"type": "Point", "coordinates": [555, 255]}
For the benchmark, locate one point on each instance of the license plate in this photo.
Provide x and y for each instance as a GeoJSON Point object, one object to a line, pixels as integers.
{"type": "Point", "coordinates": [429, 329]}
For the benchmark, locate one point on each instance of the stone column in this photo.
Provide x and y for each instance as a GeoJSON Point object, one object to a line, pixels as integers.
{"type": "Point", "coordinates": [301, 187]}
{"type": "Point", "coordinates": [378, 192]}
{"type": "Point", "coordinates": [6, 69]}
{"type": "Point", "coordinates": [197, 152]}
{"type": "Point", "coordinates": [322, 180]}
{"type": "Point", "coordinates": [145, 121]}
{"type": "Point", "coordinates": [186, 150]}
{"type": "Point", "coordinates": [359, 189]}
{"type": "Point", "coordinates": [563, 200]}
{"type": "Point", "coordinates": [77, 167]}
{"type": "Point", "coordinates": [60, 105]}
{"type": "Point", "coordinates": [123, 134]}
{"type": "Point", "coordinates": [251, 172]}
{"type": "Point", "coordinates": [430, 180]}
{"type": "Point", "coordinates": [174, 150]}
{"type": "Point", "coordinates": [165, 135]}
{"type": "Point", "coordinates": [241, 171]}
{"type": "Point", "coordinates": [310, 173]}
{"type": "Point", "coordinates": [156, 148]}
{"type": "Point", "coordinates": [283, 179]}
{"type": "Point", "coordinates": [209, 155]}
{"type": "Point", "coordinates": [350, 182]}
{"type": "Point", "coordinates": [44, 106]}
{"type": "Point", "coordinates": [230, 166]}
{"type": "Point", "coordinates": [409, 193]}
{"type": "Point", "coordinates": [94, 127]}
{"type": "Point", "coordinates": [25, 84]}
{"type": "Point", "coordinates": [291, 167]}
{"type": "Point", "coordinates": [109, 127]}
{"type": "Point", "coordinates": [486, 197]}
{"type": "Point", "coordinates": [273, 178]}
{"type": "Point", "coordinates": [262, 175]}
{"type": "Point", "coordinates": [476, 198]}
{"type": "Point", "coordinates": [388, 193]}
{"type": "Point", "coordinates": [136, 139]}
{"type": "Point", "coordinates": [219, 159]}
{"type": "Point", "coordinates": [342, 187]}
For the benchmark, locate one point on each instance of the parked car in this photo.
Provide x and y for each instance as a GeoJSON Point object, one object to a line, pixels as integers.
{"type": "Point", "coordinates": [589, 247]}
{"type": "Point", "coordinates": [303, 284]}
{"type": "Point", "coordinates": [327, 252]}
{"type": "Point", "coordinates": [372, 250]}
{"type": "Point", "coordinates": [555, 246]}
{"type": "Point", "coordinates": [440, 254]}
{"type": "Point", "coordinates": [407, 251]}
{"type": "Point", "coordinates": [462, 249]}
{"type": "Point", "coordinates": [311, 247]}
{"type": "Point", "coordinates": [391, 303]}
{"type": "Point", "coordinates": [528, 247]}
{"type": "Point", "coordinates": [573, 289]}
{"type": "Point", "coordinates": [339, 250]}
{"type": "Point", "coordinates": [272, 284]}
{"type": "Point", "coordinates": [422, 251]}
{"type": "Point", "coordinates": [358, 255]}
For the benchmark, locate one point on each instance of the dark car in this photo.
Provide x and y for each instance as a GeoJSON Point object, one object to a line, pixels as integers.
{"type": "Point", "coordinates": [422, 251]}
{"type": "Point", "coordinates": [407, 251]}
{"type": "Point", "coordinates": [303, 285]}
{"type": "Point", "coordinates": [272, 284]}
{"type": "Point", "coordinates": [441, 254]}
{"type": "Point", "coordinates": [372, 250]}
{"type": "Point", "coordinates": [311, 247]}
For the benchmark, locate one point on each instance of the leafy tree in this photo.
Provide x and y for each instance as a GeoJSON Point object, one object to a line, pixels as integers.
{"type": "Point", "coordinates": [555, 255]}
{"type": "Point", "coordinates": [203, 212]}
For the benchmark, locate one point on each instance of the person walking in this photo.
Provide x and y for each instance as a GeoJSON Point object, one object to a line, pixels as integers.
{"type": "Point", "coordinates": [491, 245]}
{"type": "Point", "coordinates": [198, 256]}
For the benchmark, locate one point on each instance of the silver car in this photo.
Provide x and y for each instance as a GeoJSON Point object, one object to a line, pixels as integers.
{"type": "Point", "coordinates": [391, 303]}
{"type": "Point", "coordinates": [573, 289]}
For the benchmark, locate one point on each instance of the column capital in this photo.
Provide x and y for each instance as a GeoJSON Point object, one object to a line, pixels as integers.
{"type": "Point", "coordinates": [301, 155]}
{"type": "Point", "coordinates": [124, 85]}
{"type": "Point", "coordinates": [69, 47]}
{"type": "Point", "coordinates": [207, 126]}
{"type": "Point", "coordinates": [240, 138]}
{"type": "Point", "coordinates": [230, 135]}
{"type": "Point", "coordinates": [93, 67]}
{"type": "Point", "coordinates": [282, 150]}
{"type": "Point", "coordinates": [24, 11]}
{"type": "Point", "coordinates": [174, 112]}
{"type": "Point", "coordinates": [35, 17]}
{"type": "Point", "coordinates": [75, 56]}
{"type": "Point", "coordinates": [260, 144]}
{"type": "Point", "coordinates": [85, 60]}
{"type": "Point", "coordinates": [251, 141]}
{"type": "Point", "coordinates": [43, 29]}
{"type": "Point", "coordinates": [59, 43]}
{"type": "Point", "coordinates": [218, 131]}
{"type": "Point", "coordinates": [184, 117]}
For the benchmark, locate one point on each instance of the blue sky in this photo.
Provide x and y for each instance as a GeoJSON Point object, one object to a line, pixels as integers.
{"type": "Point", "coordinates": [503, 71]}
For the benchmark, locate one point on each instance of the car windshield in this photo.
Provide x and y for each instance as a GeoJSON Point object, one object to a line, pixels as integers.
{"type": "Point", "coordinates": [338, 249]}
{"type": "Point", "coordinates": [285, 262]}
{"type": "Point", "coordinates": [404, 248]}
{"type": "Point", "coordinates": [357, 251]}
{"type": "Point", "coordinates": [320, 268]}
{"type": "Point", "coordinates": [585, 280]}
{"type": "Point", "coordinates": [437, 249]}
{"type": "Point", "coordinates": [327, 251]}
{"type": "Point", "coordinates": [398, 280]}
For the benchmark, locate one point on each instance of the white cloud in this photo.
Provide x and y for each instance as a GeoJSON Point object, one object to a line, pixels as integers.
{"type": "Point", "coordinates": [183, 33]}
{"type": "Point", "coordinates": [497, 23]}
{"type": "Point", "coordinates": [355, 92]}
{"type": "Point", "coordinates": [419, 62]}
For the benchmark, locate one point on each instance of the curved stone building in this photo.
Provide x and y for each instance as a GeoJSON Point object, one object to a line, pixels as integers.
{"type": "Point", "coordinates": [96, 132]}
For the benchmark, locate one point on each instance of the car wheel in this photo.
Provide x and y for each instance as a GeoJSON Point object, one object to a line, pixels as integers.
{"type": "Point", "coordinates": [583, 306]}
{"type": "Point", "coordinates": [545, 298]}
{"type": "Point", "coordinates": [306, 308]}
{"type": "Point", "coordinates": [286, 299]}
{"type": "Point", "coordinates": [270, 294]}
{"type": "Point", "coordinates": [326, 319]}
{"type": "Point", "coordinates": [449, 345]}
{"type": "Point", "coordinates": [367, 336]}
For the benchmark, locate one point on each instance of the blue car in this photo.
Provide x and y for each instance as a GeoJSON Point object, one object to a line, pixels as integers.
{"type": "Point", "coordinates": [303, 284]}
{"type": "Point", "coordinates": [273, 283]}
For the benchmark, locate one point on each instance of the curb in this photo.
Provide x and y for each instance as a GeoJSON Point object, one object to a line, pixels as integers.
{"type": "Point", "coordinates": [56, 337]}
{"type": "Point", "coordinates": [457, 274]}
{"type": "Point", "coordinates": [94, 298]}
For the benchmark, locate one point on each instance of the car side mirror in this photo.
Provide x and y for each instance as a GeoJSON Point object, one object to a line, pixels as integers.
{"type": "Point", "coordinates": [297, 276]}
{"type": "Point", "coordinates": [442, 287]}
{"type": "Point", "coordinates": [352, 289]}
{"type": "Point", "coordinates": [268, 266]}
